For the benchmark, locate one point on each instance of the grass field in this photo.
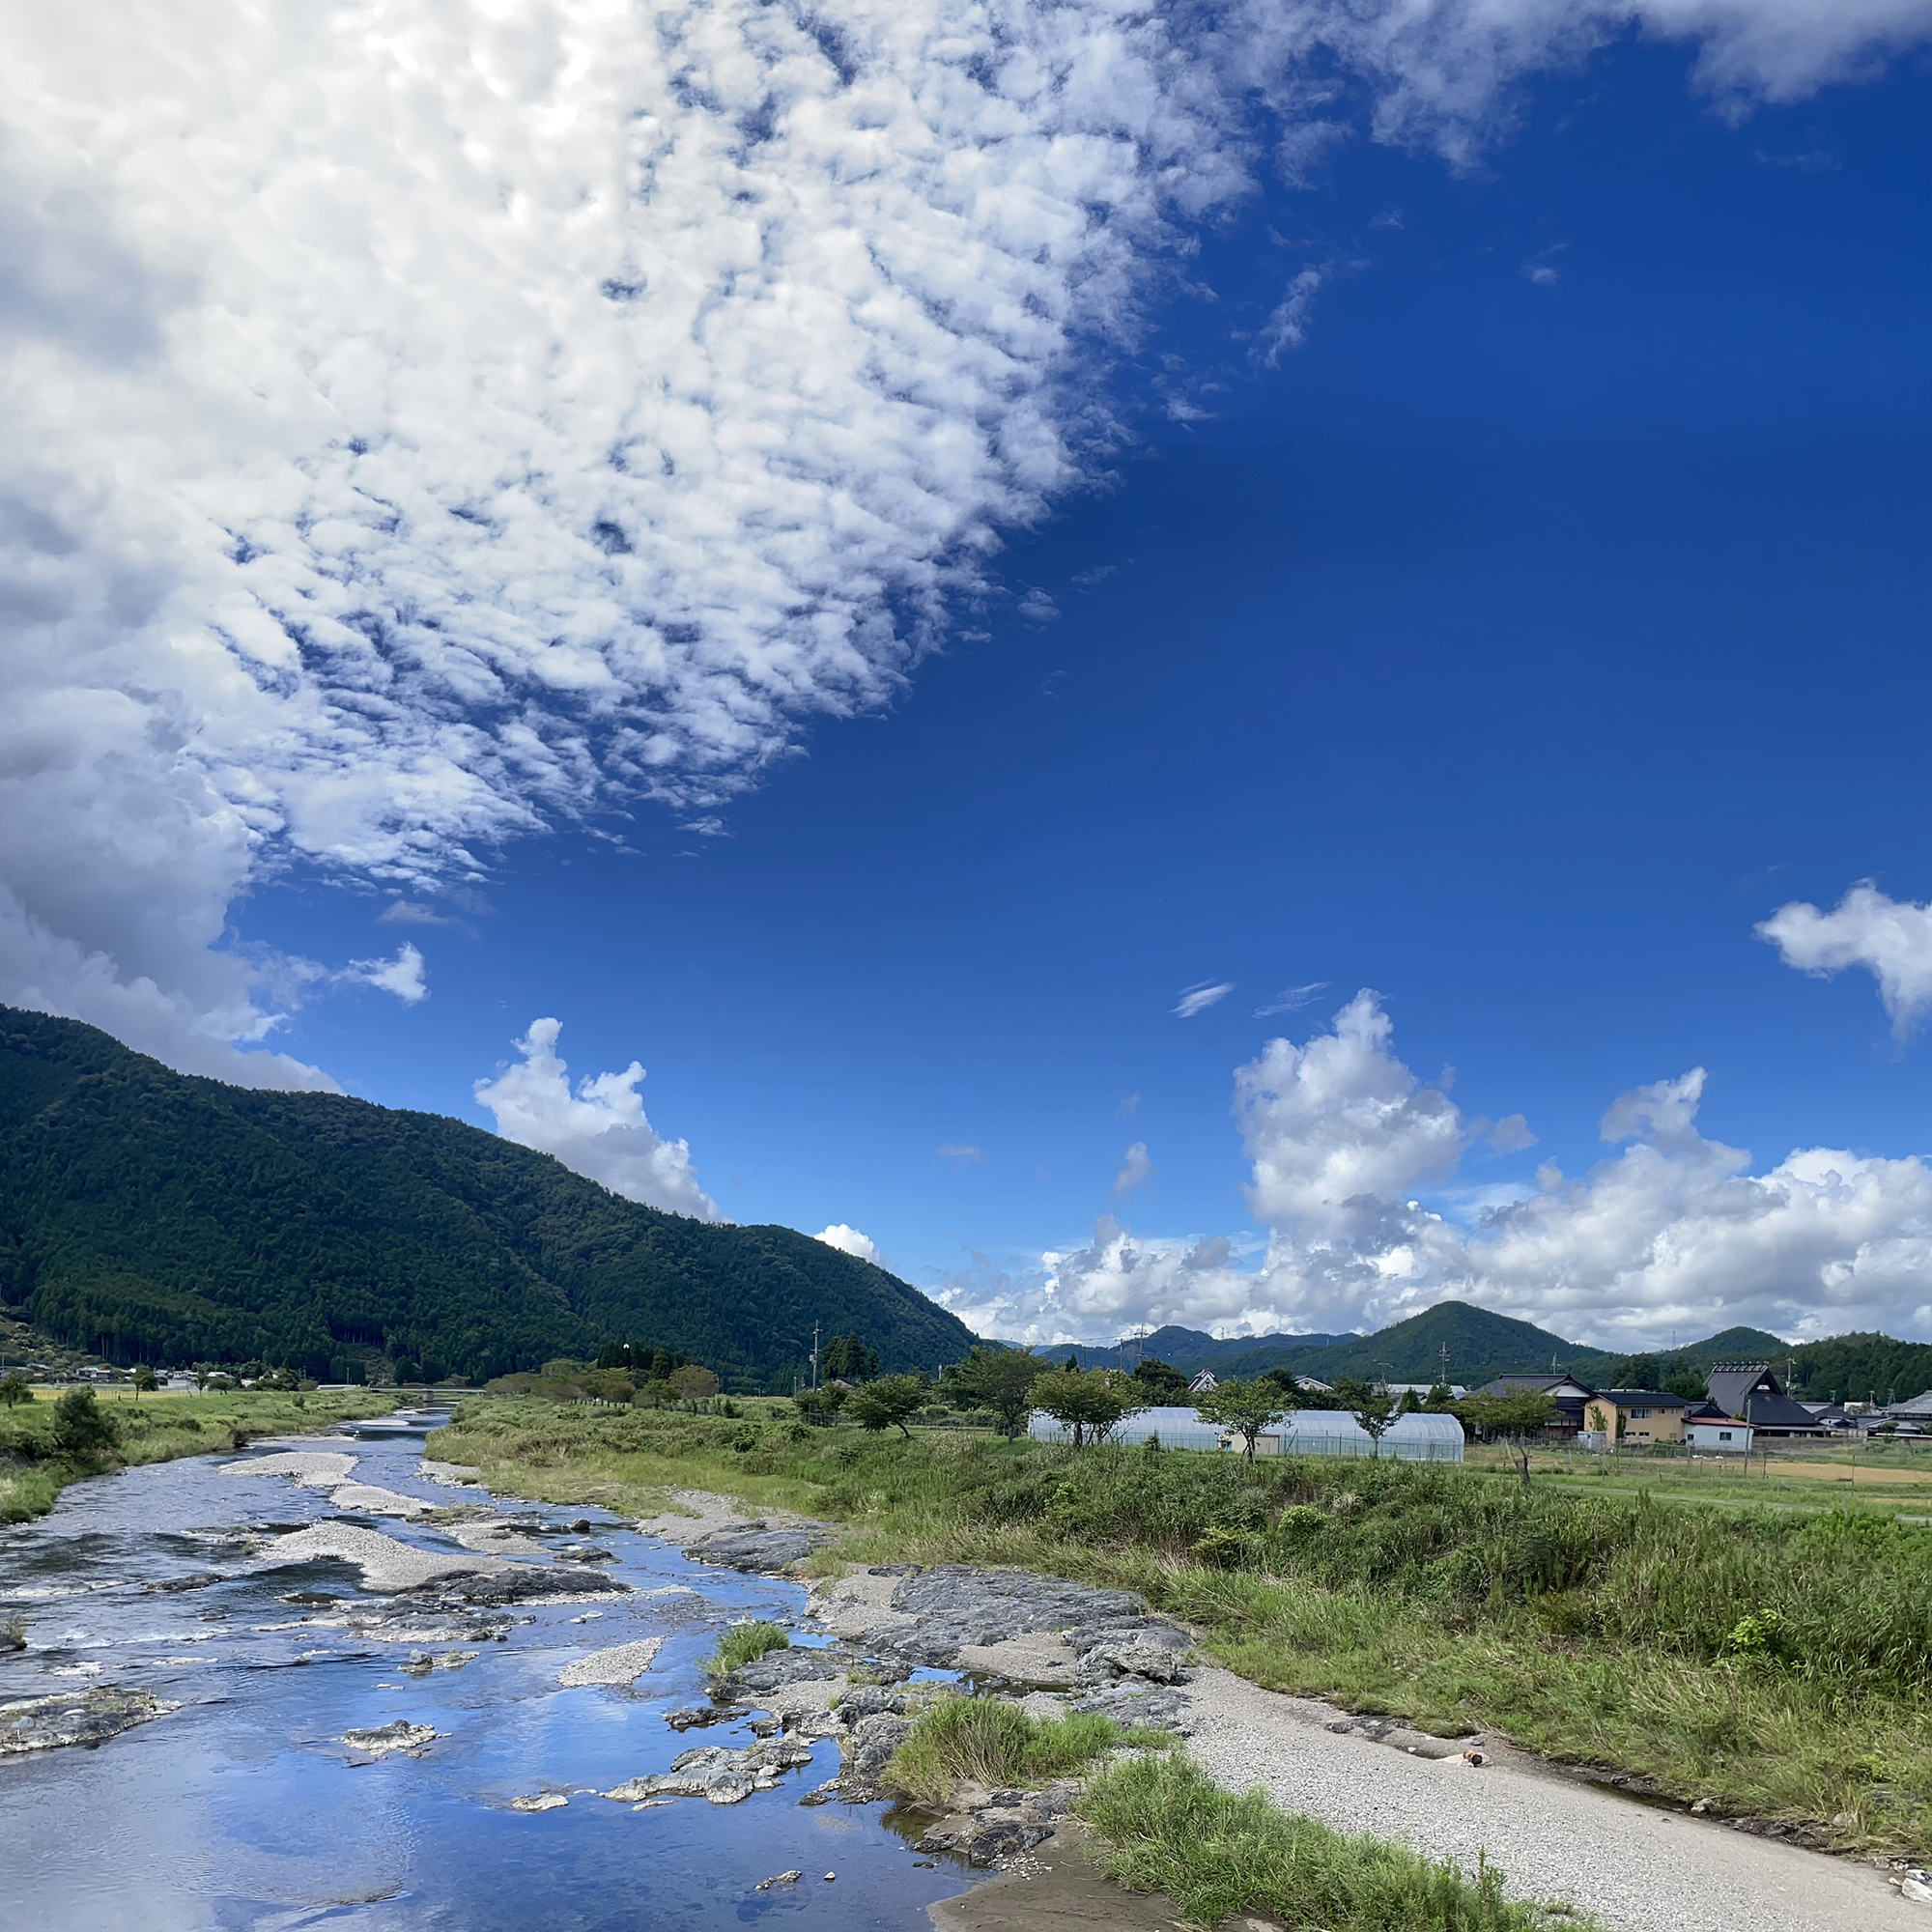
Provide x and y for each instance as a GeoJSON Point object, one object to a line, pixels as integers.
{"type": "Point", "coordinates": [34, 1467]}
{"type": "Point", "coordinates": [1768, 1653]}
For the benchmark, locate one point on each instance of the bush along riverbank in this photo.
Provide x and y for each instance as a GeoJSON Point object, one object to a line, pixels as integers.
{"type": "Point", "coordinates": [1775, 1669]}
{"type": "Point", "coordinates": [46, 1444]}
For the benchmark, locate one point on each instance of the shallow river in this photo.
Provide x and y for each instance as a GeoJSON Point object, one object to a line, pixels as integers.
{"type": "Point", "coordinates": [244, 1807]}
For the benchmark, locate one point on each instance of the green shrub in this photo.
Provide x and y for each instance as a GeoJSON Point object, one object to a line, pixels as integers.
{"type": "Point", "coordinates": [745, 1643]}
{"type": "Point", "coordinates": [83, 1430]}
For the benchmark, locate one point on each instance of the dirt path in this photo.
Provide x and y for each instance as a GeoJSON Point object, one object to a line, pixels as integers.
{"type": "Point", "coordinates": [1637, 1867]}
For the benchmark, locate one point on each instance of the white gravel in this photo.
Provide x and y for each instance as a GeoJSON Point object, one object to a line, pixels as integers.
{"type": "Point", "coordinates": [365, 1499]}
{"type": "Point", "coordinates": [320, 1469]}
{"type": "Point", "coordinates": [385, 1563]}
{"type": "Point", "coordinates": [621, 1663]}
{"type": "Point", "coordinates": [1634, 1867]}
{"type": "Point", "coordinates": [497, 1537]}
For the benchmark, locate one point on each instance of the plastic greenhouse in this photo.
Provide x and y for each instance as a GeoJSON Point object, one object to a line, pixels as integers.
{"type": "Point", "coordinates": [1307, 1432]}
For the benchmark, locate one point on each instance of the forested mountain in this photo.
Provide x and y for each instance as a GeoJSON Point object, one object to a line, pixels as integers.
{"type": "Point", "coordinates": [1478, 1344]}
{"type": "Point", "coordinates": [149, 1215]}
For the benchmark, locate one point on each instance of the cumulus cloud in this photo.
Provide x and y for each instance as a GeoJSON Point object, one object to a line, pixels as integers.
{"type": "Point", "coordinates": [1892, 938]}
{"type": "Point", "coordinates": [849, 1241]}
{"type": "Point", "coordinates": [600, 1130]}
{"type": "Point", "coordinates": [1135, 1168]}
{"type": "Point", "coordinates": [476, 419]}
{"type": "Point", "coordinates": [402, 976]}
{"type": "Point", "coordinates": [1198, 999]}
{"type": "Point", "coordinates": [1672, 1232]}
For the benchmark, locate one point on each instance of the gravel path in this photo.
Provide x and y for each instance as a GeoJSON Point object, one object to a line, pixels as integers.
{"type": "Point", "coordinates": [1637, 1867]}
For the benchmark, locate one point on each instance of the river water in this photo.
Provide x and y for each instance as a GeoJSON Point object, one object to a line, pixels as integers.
{"type": "Point", "coordinates": [245, 1808]}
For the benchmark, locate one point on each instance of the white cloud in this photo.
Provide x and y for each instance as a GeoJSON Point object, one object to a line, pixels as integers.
{"type": "Point", "coordinates": [849, 1241]}
{"type": "Point", "coordinates": [478, 416]}
{"type": "Point", "coordinates": [1198, 999]}
{"type": "Point", "coordinates": [1892, 938]}
{"type": "Point", "coordinates": [1037, 607]}
{"type": "Point", "coordinates": [402, 976]}
{"type": "Point", "coordinates": [599, 1131]}
{"type": "Point", "coordinates": [1673, 1232]}
{"type": "Point", "coordinates": [406, 912]}
{"type": "Point", "coordinates": [958, 1156]}
{"type": "Point", "coordinates": [1135, 1168]}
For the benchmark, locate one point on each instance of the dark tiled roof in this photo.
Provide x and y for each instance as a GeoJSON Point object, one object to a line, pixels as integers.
{"type": "Point", "coordinates": [1749, 1391]}
{"type": "Point", "coordinates": [1653, 1398]}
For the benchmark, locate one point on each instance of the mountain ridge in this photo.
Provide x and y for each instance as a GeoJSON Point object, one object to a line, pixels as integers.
{"type": "Point", "coordinates": [1483, 1345]}
{"type": "Point", "coordinates": [152, 1215]}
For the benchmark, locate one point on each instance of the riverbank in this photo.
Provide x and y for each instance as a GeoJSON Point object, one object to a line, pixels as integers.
{"type": "Point", "coordinates": [1601, 1637]}
{"type": "Point", "coordinates": [35, 1468]}
{"type": "Point", "coordinates": [1399, 1813]}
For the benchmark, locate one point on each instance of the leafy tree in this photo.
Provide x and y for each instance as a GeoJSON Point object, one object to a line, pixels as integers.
{"type": "Point", "coordinates": [611, 1385]}
{"type": "Point", "coordinates": [1090, 1402]}
{"type": "Point", "coordinates": [820, 1406]}
{"type": "Point", "coordinates": [1296, 1393]}
{"type": "Point", "coordinates": [1438, 1401]}
{"type": "Point", "coordinates": [1408, 1405]}
{"type": "Point", "coordinates": [693, 1385]}
{"type": "Point", "coordinates": [887, 1402]}
{"type": "Point", "coordinates": [1246, 1408]}
{"type": "Point", "coordinates": [1640, 1372]}
{"type": "Point", "coordinates": [1001, 1379]}
{"type": "Point", "coordinates": [146, 1381]}
{"type": "Point", "coordinates": [847, 1358]}
{"type": "Point", "coordinates": [14, 1388]}
{"type": "Point", "coordinates": [1162, 1380]}
{"type": "Point", "coordinates": [1368, 1403]}
{"type": "Point", "coordinates": [1681, 1378]}
{"type": "Point", "coordinates": [1516, 1420]}
{"type": "Point", "coordinates": [82, 1429]}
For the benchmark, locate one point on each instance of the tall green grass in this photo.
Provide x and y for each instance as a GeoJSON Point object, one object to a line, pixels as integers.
{"type": "Point", "coordinates": [745, 1643]}
{"type": "Point", "coordinates": [986, 1742]}
{"type": "Point", "coordinates": [1170, 1827]}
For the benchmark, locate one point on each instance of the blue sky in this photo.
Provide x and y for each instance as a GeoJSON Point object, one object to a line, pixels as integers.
{"type": "Point", "coordinates": [1512, 643]}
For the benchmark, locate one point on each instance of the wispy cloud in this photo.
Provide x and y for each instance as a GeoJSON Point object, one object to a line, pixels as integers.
{"type": "Point", "coordinates": [1127, 1108]}
{"type": "Point", "coordinates": [958, 1156]}
{"type": "Point", "coordinates": [1037, 607]}
{"type": "Point", "coordinates": [1135, 1168]}
{"type": "Point", "coordinates": [1198, 999]}
{"type": "Point", "coordinates": [1291, 999]}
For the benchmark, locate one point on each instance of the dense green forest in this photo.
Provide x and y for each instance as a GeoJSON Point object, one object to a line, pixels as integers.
{"type": "Point", "coordinates": [151, 1216]}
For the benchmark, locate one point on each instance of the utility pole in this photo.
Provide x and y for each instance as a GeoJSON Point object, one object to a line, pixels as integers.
{"type": "Point", "coordinates": [814, 1355]}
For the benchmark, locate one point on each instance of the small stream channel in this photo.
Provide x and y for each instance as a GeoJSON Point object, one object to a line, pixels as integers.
{"type": "Point", "coordinates": [245, 1809]}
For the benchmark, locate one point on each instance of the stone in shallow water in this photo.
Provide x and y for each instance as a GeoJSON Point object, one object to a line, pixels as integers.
{"type": "Point", "coordinates": [76, 1717]}
{"type": "Point", "coordinates": [621, 1663]}
{"type": "Point", "coordinates": [755, 1547]}
{"type": "Point", "coordinates": [717, 1773]}
{"type": "Point", "coordinates": [401, 1736]}
{"type": "Point", "coordinates": [542, 1801]}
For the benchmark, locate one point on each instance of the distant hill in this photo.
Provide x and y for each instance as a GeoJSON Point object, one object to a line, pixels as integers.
{"type": "Point", "coordinates": [1190, 1349]}
{"type": "Point", "coordinates": [149, 1216]}
{"type": "Point", "coordinates": [1481, 1346]}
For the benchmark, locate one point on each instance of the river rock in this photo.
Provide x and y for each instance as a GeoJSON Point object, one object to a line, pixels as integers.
{"type": "Point", "coordinates": [756, 1547]}
{"type": "Point", "coordinates": [168, 1586]}
{"type": "Point", "coordinates": [76, 1717]}
{"type": "Point", "coordinates": [868, 1750]}
{"type": "Point", "coordinates": [959, 1606]}
{"type": "Point", "coordinates": [401, 1736]}
{"type": "Point", "coordinates": [717, 1773]}
{"type": "Point", "coordinates": [542, 1801]}
{"type": "Point", "coordinates": [799, 1665]}
{"type": "Point", "coordinates": [621, 1663]}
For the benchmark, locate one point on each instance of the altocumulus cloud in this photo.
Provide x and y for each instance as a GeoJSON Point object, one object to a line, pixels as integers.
{"type": "Point", "coordinates": [434, 423]}
{"type": "Point", "coordinates": [1672, 1231]}
{"type": "Point", "coordinates": [599, 1130]}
